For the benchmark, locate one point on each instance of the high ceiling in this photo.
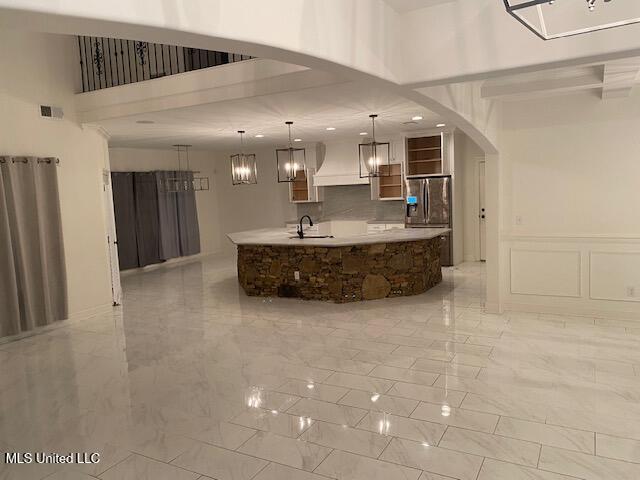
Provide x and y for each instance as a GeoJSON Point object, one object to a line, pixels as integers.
{"type": "Point", "coordinates": [345, 107]}
{"type": "Point", "coordinates": [409, 5]}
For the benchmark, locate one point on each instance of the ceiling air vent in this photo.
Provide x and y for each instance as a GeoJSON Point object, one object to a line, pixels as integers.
{"type": "Point", "coordinates": [47, 111]}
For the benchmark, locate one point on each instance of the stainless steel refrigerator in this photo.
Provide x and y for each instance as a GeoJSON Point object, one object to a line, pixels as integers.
{"type": "Point", "coordinates": [428, 205]}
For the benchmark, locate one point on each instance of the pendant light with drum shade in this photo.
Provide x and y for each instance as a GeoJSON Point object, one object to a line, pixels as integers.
{"type": "Point", "coordinates": [244, 170]}
{"type": "Point", "coordinates": [291, 162]}
{"type": "Point", "coordinates": [375, 157]}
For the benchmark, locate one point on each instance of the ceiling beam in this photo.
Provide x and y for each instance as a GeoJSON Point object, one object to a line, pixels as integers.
{"type": "Point", "coordinates": [522, 86]}
{"type": "Point", "coordinates": [619, 78]}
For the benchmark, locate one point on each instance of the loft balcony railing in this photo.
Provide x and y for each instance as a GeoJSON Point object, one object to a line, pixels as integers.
{"type": "Point", "coordinates": [109, 62]}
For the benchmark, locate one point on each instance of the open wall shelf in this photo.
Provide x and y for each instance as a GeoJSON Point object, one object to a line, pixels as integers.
{"type": "Point", "coordinates": [424, 155]}
{"type": "Point", "coordinates": [301, 189]}
{"type": "Point", "coordinates": [390, 184]}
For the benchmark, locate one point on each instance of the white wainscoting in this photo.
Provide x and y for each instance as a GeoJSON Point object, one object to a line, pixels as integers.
{"type": "Point", "coordinates": [592, 275]}
{"type": "Point", "coordinates": [614, 274]}
{"type": "Point", "coordinates": [545, 272]}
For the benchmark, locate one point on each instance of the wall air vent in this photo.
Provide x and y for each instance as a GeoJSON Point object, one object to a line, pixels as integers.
{"type": "Point", "coordinates": [47, 111]}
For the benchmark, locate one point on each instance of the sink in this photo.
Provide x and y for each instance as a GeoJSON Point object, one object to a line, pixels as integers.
{"type": "Point", "coordinates": [313, 236]}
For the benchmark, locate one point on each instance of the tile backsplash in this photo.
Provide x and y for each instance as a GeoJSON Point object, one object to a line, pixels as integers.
{"type": "Point", "coordinates": [352, 202]}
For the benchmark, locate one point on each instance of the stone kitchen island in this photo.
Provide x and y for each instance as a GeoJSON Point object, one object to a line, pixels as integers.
{"type": "Point", "coordinates": [347, 268]}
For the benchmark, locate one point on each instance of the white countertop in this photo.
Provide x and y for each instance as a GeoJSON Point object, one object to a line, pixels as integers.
{"type": "Point", "coordinates": [369, 222]}
{"type": "Point", "coordinates": [280, 236]}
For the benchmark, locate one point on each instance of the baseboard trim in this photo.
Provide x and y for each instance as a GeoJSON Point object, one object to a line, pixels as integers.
{"type": "Point", "coordinates": [572, 310]}
{"type": "Point", "coordinates": [90, 312]}
{"type": "Point", "coordinates": [72, 319]}
{"type": "Point", "coordinates": [168, 263]}
{"type": "Point", "coordinates": [492, 307]}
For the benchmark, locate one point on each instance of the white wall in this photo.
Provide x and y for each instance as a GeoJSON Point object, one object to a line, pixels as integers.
{"type": "Point", "coordinates": [225, 208]}
{"type": "Point", "coordinates": [570, 172]}
{"type": "Point", "coordinates": [246, 207]}
{"type": "Point", "coordinates": [138, 159]}
{"type": "Point", "coordinates": [39, 68]}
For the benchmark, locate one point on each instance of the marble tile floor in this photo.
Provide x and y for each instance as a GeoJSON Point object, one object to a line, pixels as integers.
{"type": "Point", "coordinates": [191, 379]}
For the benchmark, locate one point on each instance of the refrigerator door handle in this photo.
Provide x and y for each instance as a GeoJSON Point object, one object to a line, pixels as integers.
{"type": "Point", "coordinates": [425, 196]}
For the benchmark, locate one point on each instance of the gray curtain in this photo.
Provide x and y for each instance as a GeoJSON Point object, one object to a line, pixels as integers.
{"type": "Point", "coordinates": [189, 230]}
{"type": "Point", "coordinates": [147, 222]}
{"type": "Point", "coordinates": [152, 224]}
{"type": "Point", "coordinates": [33, 284]}
{"type": "Point", "coordinates": [167, 217]}
{"type": "Point", "coordinates": [125, 214]}
{"type": "Point", "coordinates": [9, 305]}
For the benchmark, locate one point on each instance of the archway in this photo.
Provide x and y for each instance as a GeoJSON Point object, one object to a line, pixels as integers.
{"type": "Point", "coordinates": [355, 39]}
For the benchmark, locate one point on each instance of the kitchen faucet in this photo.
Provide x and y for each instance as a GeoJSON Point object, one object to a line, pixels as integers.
{"type": "Point", "coordinates": [300, 231]}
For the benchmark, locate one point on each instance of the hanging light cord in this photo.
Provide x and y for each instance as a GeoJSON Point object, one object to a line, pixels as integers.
{"type": "Point", "coordinates": [373, 128]}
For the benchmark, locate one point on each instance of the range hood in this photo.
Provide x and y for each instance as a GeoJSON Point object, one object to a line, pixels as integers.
{"type": "Point", "coordinates": [340, 166]}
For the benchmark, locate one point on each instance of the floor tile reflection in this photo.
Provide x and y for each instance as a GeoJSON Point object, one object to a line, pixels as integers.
{"type": "Point", "coordinates": [191, 378]}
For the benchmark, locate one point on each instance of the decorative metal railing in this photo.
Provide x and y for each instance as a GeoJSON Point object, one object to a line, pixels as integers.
{"type": "Point", "coordinates": [109, 62]}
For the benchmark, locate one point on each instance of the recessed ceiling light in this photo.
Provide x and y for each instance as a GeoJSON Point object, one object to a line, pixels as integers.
{"type": "Point", "coordinates": [331, 128]}
{"type": "Point", "coordinates": [145, 122]}
{"type": "Point", "coordinates": [363, 133]}
{"type": "Point", "coordinates": [441, 125]}
{"type": "Point", "coordinates": [297, 139]}
{"type": "Point", "coordinates": [416, 118]}
{"type": "Point", "coordinates": [259, 135]}
{"type": "Point", "coordinates": [410, 122]}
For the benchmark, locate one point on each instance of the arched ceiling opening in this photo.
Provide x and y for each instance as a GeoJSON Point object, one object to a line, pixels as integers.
{"type": "Point", "coordinates": [432, 52]}
{"type": "Point", "coordinates": [355, 39]}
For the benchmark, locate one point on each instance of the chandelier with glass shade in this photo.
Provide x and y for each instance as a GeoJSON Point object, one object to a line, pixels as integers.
{"type": "Point", "coordinates": [375, 156]}
{"type": "Point", "coordinates": [290, 161]}
{"type": "Point", "coordinates": [551, 19]}
{"type": "Point", "coordinates": [244, 170]}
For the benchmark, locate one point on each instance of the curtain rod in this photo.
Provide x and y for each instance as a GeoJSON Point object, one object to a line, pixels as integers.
{"type": "Point", "coordinates": [26, 160]}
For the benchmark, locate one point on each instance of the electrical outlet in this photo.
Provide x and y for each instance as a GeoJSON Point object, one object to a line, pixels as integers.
{"type": "Point", "coordinates": [518, 220]}
{"type": "Point", "coordinates": [631, 291]}
{"type": "Point", "coordinates": [296, 275]}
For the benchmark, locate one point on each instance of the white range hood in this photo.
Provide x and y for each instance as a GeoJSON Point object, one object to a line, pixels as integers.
{"type": "Point", "coordinates": [340, 166]}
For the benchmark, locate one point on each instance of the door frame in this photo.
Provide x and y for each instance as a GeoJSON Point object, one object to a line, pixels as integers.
{"type": "Point", "coordinates": [482, 189]}
{"type": "Point", "coordinates": [112, 239]}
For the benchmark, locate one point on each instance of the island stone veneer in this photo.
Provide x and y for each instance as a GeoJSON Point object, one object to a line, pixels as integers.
{"type": "Point", "coordinates": [340, 273]}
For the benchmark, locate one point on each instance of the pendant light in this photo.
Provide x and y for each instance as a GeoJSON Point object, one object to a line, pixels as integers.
{"type": "Point", "coordinates": [185, 180]}
{"type": "Point", "coordinates": [291, 162]}
{"type": "Point", "coordinates": [548, 19]}
{"type": "Point", "coordinates": [374, 156]}
{"type": "Point", "coordinates": [244, 170]}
